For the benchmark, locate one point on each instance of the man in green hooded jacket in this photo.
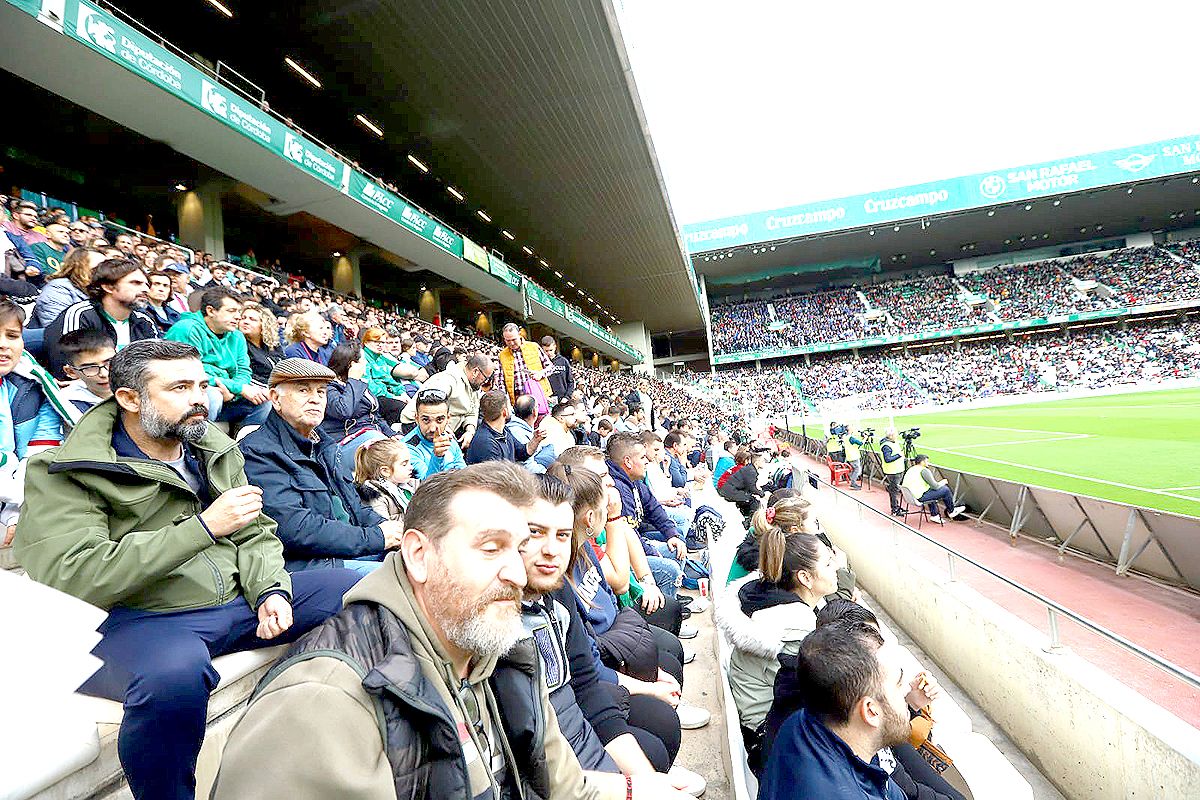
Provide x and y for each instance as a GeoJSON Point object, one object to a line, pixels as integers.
{"type": "Point", "coordinates": [145, 511]}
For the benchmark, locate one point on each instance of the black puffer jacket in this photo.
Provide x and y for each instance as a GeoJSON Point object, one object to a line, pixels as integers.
{"type": "Point", "coordinates": [742, 486]}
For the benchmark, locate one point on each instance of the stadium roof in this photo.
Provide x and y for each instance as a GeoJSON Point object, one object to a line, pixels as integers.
{"type": "Point", "coordinates": [528, 110]}
{"type": "Point", "coordinates": [1161, 204]}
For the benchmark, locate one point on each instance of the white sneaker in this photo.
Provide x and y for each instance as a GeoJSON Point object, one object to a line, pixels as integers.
{"type": "Point", "coordinates": [957, 510]}
{"type": "Point", "coordinates": [692, 717]}
{"type": "Point", "coordinates": [687, 781]}
{"type": "Point", "coordinates": [689, 656]}
{"type": "Point", "coordinates": [688, 632]}
{"type": "Point", "coordinates": [935, 518]}
{"type": "Point", "coordinates": [698, 605]}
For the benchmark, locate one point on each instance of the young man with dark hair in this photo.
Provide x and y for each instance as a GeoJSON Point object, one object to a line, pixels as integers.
{"type": "Point", "coordinates": [433, 447]}
{"type": "Point", "coordinates": [145, 511]}
{"type": "Point", "coordinates": [492, 441]}
{"type": "Point", "coordinates": [854, 705]}
{"type": "Point", "coordinates": [89, 353]}
{"type": "Point", "coordinates": [232, 394]}
{"type": "Point", "coordinates": [452, 705]}
{"type": "Point", "coordinates": [158, 301]}
{"type": "Point", "coordinates": [118, 286]}
{"type": "Point", "coordinates": [558, 370]}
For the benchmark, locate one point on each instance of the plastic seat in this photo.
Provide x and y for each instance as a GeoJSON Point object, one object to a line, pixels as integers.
{"type": "Point", "coordinates": [839, 472]}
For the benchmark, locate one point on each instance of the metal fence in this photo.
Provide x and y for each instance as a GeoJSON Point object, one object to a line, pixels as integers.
{"type": "Point", "coordinates": [1160, 544]}
{"type": "Point", "coordinates": [1054, 610]}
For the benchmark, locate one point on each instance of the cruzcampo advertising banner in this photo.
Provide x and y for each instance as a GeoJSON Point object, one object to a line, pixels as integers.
{"type": "Point", "coordinates": [1106, 168]}
{"type": "Point", "coordinates": [924, 336]}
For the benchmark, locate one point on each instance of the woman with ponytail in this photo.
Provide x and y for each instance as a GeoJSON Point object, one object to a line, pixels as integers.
{"type": "Point", "coordinates": [770, 611]}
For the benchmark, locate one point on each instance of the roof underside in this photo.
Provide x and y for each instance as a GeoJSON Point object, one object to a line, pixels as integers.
{"type": "Point", "coordinates": [527, 107]}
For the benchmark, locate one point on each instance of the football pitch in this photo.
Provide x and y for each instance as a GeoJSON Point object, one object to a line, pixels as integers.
{"type": "Point", "coordinates": [1141, 448]}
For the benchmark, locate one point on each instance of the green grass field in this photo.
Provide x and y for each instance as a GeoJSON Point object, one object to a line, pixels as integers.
{"type": "Point", "coordinates": [1141, 448]}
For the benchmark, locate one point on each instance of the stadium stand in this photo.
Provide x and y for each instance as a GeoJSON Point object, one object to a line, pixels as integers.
{"type": "Point", "coordinates": [1090, 357]}
{"type": "Point", "coordinates": [1124, 278]}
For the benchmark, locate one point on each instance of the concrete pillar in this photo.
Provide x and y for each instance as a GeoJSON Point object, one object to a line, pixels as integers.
{"type": "Point", "coordinates": [347, 276]}
{"type": "Point", "coordinates": [635, 334]}
{"type": "Point", "coordinates": [201, 223]}
{"type": "Point", "coordinates": [429, 305]}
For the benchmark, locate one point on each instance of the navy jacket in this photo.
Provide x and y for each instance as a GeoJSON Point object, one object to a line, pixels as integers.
{"type": "Point", "coordinates": [351, 407]}
{"type": "Point", "coordinates": [809, 760]}
{"type": "Point", "coordinates": [320, 515]}
{"type": "Point", "coordinates": [643, 510]}
{"type": "Point", "coordinates": [487, 445]}
{"type": "Point", "coordinates": [90, 314]}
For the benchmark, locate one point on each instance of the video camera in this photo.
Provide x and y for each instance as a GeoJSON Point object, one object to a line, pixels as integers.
{"type": "Point", "coordinates": [911, 433]}
{"type": "Point", "coordinates": [839, 430]}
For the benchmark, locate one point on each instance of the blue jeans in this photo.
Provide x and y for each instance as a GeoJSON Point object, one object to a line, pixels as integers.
{"type": "Point", "coordinates": [931, 497]}
{"type": "Point", "coordinates": [238, 409]}
{"type": "Point", "coordinates": [667, 572]}
{"type": "Point", "coordinates": [364, 565]}
{"type": "Point", "coordinates": [682, 517]}
{"type": "Point", "coordinates": [160, 665]}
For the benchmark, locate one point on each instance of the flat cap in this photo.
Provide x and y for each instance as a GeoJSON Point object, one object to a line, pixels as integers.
{"type": "Point", "coordinates": [300, 369]}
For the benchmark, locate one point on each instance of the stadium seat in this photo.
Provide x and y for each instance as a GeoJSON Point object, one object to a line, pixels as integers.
{"type": "Point", "coordinates": [839, 472]}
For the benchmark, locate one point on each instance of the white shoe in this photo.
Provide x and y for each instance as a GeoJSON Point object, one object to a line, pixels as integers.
{"type": "Point", "coordinates": [688, 632]}
{"type": "Point", "coordinates": [957, 510]}
{"type": "Point", "coordinates": [687, 781]}
{"type": "Point", "coordinates": [698, 605]}
{"type": "Point", "coordinates": [935, 518]}
{"type": "Point", "coordinates": [689, 656]}
{"type": "Point", "coordinates": [692, 717]}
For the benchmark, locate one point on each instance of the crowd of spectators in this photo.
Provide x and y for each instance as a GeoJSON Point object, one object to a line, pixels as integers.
{"type": "Point", "coordinates": [1127, 277]}
{"type": "Point", "coordinates": [354, 425]}
{"type": "Point", "coordinates": [926, 304]}
{"type": "Point", "coordinates": [1086, 357]}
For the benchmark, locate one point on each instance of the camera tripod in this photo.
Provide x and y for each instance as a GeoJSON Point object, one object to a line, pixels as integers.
{"type": "Point", "coordinates": [870, 466]}
{"type": "Point", "coordinates": [910, 450]}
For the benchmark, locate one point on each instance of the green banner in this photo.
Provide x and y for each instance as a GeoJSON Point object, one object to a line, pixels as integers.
{"type": "Point", "coordinates": [475, 254]}
{"type": "Point", "coordinates": [924, 336]}
{"type": "Point", "coordinates": [124, 44]}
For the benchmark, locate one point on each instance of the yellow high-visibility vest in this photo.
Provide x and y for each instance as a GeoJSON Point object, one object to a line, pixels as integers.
{"type": "Point", "coordinates": [892, 467]}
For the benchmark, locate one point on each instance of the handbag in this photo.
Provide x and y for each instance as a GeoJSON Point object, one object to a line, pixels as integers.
{"type": "Point", "coordinates": [534, 389]}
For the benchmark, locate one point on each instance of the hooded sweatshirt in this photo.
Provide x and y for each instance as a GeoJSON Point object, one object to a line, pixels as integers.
{"type": "Point", "coordinates": [760, 621]}
{"type": "Point", "coordinates": [282, 744]}
{"type": "Point", "coordinates": [225, 357]}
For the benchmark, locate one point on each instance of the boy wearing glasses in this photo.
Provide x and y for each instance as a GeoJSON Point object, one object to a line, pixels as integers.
{"type": "Point", "coordinates": [88, 352]}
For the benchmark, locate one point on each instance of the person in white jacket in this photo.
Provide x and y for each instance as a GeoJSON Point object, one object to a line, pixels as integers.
{"type": "Point", "coordinates": [770, 611]}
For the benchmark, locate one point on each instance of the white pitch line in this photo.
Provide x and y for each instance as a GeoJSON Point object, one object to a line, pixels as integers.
{"type": "Point", "coordinates": [997, 428]}
{"type": "Point", "coordinates": [1162, 492]}
{"type": "Point", "coordinates": [1181, 488]}
{"type": "Point", "coordinates": [1026, 441]}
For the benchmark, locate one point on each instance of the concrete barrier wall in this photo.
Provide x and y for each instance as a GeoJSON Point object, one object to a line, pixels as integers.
{"type": "Point", "coordinates": [1089, 734]}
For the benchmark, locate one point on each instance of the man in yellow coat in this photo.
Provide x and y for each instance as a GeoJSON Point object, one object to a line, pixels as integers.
{"type": "Point", "coordinates": [521, 361]}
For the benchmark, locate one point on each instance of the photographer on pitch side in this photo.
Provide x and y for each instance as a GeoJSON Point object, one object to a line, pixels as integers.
{"type": "Point", "coordinates": [835, 445]}
{"type": "Point", "coordinates": [929, 490]}
{"type": "Point", "coordinates": [852, 441]}
{"type": "Point", "coordinates": [891, 455]}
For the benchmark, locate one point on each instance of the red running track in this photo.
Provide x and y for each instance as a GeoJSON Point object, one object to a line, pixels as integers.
{"type": "Point", "coordinates": [1161, 619]}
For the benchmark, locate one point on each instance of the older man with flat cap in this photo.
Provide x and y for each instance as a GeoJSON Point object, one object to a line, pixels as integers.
{"type": "Point", "coordinates": [321, 520]}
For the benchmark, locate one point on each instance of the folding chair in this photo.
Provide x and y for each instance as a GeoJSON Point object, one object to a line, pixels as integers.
{"type": "Point", "coordinates": [914, 506]}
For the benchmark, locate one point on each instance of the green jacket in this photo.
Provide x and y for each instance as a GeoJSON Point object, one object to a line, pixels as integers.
{"type": "Point", "coordinates": [125, 531]}
{"type": "Point", "coordinates": [379, 375]}
{"type": "Point", "coordinates": [225, 357]}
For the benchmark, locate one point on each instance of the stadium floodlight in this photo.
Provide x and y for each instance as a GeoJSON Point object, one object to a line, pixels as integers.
{"type": "Point", "coordinates": [896, 228]}
{"type": "Point", "coordinates": [772, 248]}
{"type": "Point", "coordinates": [528, 252]}
{"type": "Point", "coordinates": [572, 285]}
{"type": "Point", "coordinates": [1195, 180]}
{"type": "Point", "coordinates": [416, 162]}
{"type": "Point", "coordinates": [1009, 241]}
{"type": "Point", "coordinates": [507, 235]}
{"type": "Point", "coordinates": [179, 187]}
{"type": "Point", "coordinates": [557, 274]}
{"type": "Point", "coordinates": [337, 254]}
{"type": "Point", "coordinates": [1129, 190]}
{"type": "Point", "coordinates": [991, 212]}
{"type": "Point", "coordinates": [369, 125]}
{"type": "Point", "coordinates": [1099, 227]}
{"type": "Point", "coordinates": [1058, 202]}
{"type": "Point", "coordinates": [301, 71]}
{"type": "Point", "coordinates": [871, 232]}
{"type": "Point", "coordinates": [455, 192]}
{"type": "Point", "coordinates": [483, 215]}
{"type": "Point", "coordinates": [221, 7]}
{"type": "Point", "coordinates": [1028, 207]}
{"type": "Point", "coordinates": [1083, 230]}
{"type": "Point", "coordinates": [542, 261]}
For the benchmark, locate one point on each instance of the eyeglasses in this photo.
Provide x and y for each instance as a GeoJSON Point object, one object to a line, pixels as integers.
{"type": "Point", "coordinates": [94, 370]}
